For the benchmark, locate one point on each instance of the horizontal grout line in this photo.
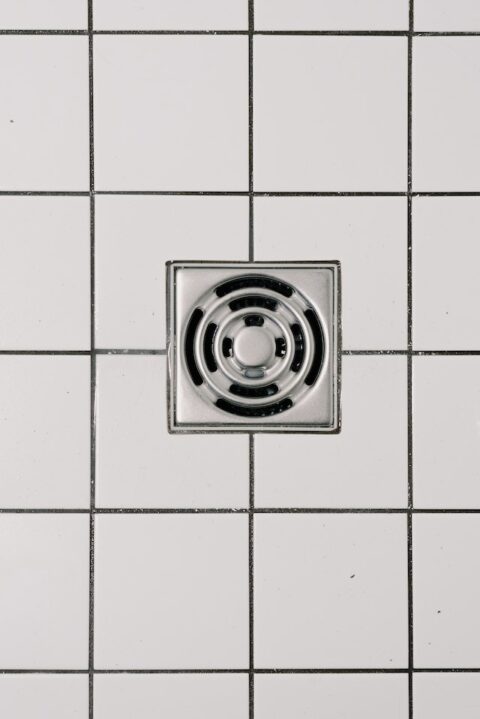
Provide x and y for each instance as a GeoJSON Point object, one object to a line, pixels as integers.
{"type": "Point", "coordinates": [161, 352]}
{"type": "Point", "coordinates": [228, 193]}
{"type": "Point", "coordinates": [245, 32]}
{"type": "Point", "coordinates": [269, 670]}
{"type": "Point", "coordinates": [129, 352]}
{"type": "Point", "coordinates": [239, 510]}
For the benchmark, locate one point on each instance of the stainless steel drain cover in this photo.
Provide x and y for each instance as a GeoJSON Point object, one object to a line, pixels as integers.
{"type": "Point", "coordinates": [253, 346]}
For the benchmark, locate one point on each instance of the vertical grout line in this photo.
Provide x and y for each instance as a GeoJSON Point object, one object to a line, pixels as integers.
{"type": "Point", "coordinates": [251, 437]}
{"type": "Point", "coordinates": [251, 529]}
{"type": "Point", "coordinates": [409, 366]}
{"type": "Point", "coordinates": [251, 25]}
{"type": "Point", "coordinates": [93, 369]}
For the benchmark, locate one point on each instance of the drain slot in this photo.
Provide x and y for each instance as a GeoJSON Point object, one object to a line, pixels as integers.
{"type": "Point", "coordinates": [240, 303]}
{"type": "Point", "coordinates": [267, 410]}
{"type": "Point", "coordinates": [299, 347]}
{"type": "Point", "coordinates": [318, 350]}
{"type": "Point", "coordinates": [208, 347]}
{"type": "Point", "coordinates": [254, 392]}
{"type": "Point", "coordinates": [242, 283]}
{"type": "Point", "coordinates": [192, 327]}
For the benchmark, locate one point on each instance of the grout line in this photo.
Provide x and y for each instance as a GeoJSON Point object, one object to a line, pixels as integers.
{"type": "Point", "coordinates": [93, 374]}
{"type": "Point", "coordinates": [251, 20]}
{"type": "Point", "coordinates": [161, 352]}
{"type": "Point", "coordinates": [411, 23]}
{"type": "Point", "coordinates": [269, 670]}
{"type": "Point", "coordinates": [229, 193]}
{"type": "Point", "coordinates": [239, 510]}
{"type": "Point", "coordinates": [280, 33]}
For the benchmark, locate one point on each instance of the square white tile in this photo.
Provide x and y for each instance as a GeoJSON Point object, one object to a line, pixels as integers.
{"type": "Point", "coordinates": [331, 15]}
{"type": "Point", "coordinates": [37, 696]}
{"type": "Point", "coordinates": [45, 432]}
{"type": "Point", "coordinates": [171, 591]}
{"type": "Point", "coordinates": [330, 591]}
{"type": "Point", "coordinates": [175, 696]}
{"type": "Point", "coordinates": [139, 464]}
{"type": "Point", "coordinates": [45, 138]}
{"type": "Point", "coordinates": [45, 273]}
{"type": "Point", "coordinates": [171, 112]}
{"type": "Point", "coordinates": [170, 15]}
{"type": "Point", "coordinates": [443, 15]}
{"type": "Point", "coordinates": [363, 466]}
{"type": "Point", "coordinates": [446, 590]}
{"type": "Point", "coordinates": [446, 255]}
{"type": "Point", "coordinates": [336, 696]}
{"type": "Point", "coordinates": [446, 115]}
{"type": "Point", "coordinates": [330, 113]}
{"type": "Point", "coordinates": [44, 562]}
{"type": "Point", "coordinates": [368, 235]}
{"type": "Point", "coordinates": [446, 695]}
{"type": "Point", "coordinates": [43, 14]}
{"type": "Point", "coordinates": [135, 236]}
{"type": "Point", "coordinates": [446, 423]}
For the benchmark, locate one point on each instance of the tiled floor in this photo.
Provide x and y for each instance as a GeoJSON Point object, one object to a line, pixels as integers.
{"type": "Point", "coordinates": [251, 577]}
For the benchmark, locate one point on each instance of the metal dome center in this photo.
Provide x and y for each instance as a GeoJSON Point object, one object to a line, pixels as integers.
{"type": "Point", "coordinates": [254, 347]}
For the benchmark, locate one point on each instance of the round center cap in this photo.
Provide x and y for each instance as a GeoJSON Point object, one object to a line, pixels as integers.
{"type": "Point", "coordinates": [254, 347]}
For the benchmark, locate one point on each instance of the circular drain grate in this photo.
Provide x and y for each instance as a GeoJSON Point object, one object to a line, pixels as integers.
{"type": "Point", "coordinates": [254, 346]}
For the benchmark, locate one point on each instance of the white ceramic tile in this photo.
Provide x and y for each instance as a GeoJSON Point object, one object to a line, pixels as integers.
{"type": "Point", "coordinates": [171, 15]}
{"type": "Point", "coordinates": [446, 256]}
{"type": "Point", "coordinates": [363, 466]}
{"type": "Point", "coordinates": [38, 696]}
{"type": "Point", "coordinates": [331, 15]}
{"type": "Point", "coordinates": [171, 591]}
{"type": "Point", "coordinates": [176, 696]}
{"type": "Point", "coordinates": [330, 591]}
{"type": "Point", "coordinates": [45, 273]}
{"type": "Point", "coordinates": [443, 696]}
{"type": "Point", "coordinates": [446, 98]}
{"type": "Point", "coordinates": [43, 14]}
{"type": "Point", "coordinates": [44, 431]}
{"type": "Point", "coordinates": [444, 15]}
{"type": "Point", "coordinates": [446, 590]}
{"type": "Point", "coordinates": [446, 427]}
{"type": "Point", "coordinates": [44, 141]}
{"type": "Point", "coordinates": [171, 112]}
{"type": "Point", "coordinates": [44, 564]}
{"type": "Point", "coordinates": [336, 696]}
{"type": "Point", "coordinates": [135, 236]}
{"type": "Point", "coordinates": [368, 235]}
{"type": "Point", "coordinates": [139, 464]}
{"type": "Point", "coordinates": [330, 113]}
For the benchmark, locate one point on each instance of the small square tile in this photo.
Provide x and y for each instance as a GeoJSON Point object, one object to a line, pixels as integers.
{"type": "Point", "coordinates": [446, 117]}
{"type": "Point", "coordinates": [443, 15]}
{"type": "Point", "coordinates": [446, 421]}
{"type": "Point", "coordinates": [171, 591]}
{"type": "Point", "coordinates": [253, 347]}
{"type": "Point", "coordinates": [446, 290]}
{"type": "Point", "coordinates": [43, 14]}
{"type": "Point", "coordinates": [43, 695]}
{"type": "Point", "coordinates": [170, 15]}
{"type": "Point", "coordinates": [368, 235]}
{"type": "Point", "coordinates": [45, 273]}
{"type": "Point", "coordinates": [139, 464]}
{"type": "Point", "coordinates": [134, 237]}
{"type": "Point", "coordinates": [44, 597]}
{"type": "Point", "coordinates": [446, 590]}
{"type": "Point", "coordinates": [175, 696]}
{"type": "Point", "coordinates": [336, 696]}
{"type": "Point", "coordinates": [45, 432]}
{"type": "Point", "coordinates": [331, 15]}
{"type": "Point", "coordinates": [171, 112]}
{"type": "Point", "coordinates": [44, 113]}
{"type": "Point", "coordinates": [330, 113]}
{"type": "Point", "coordinates": [446, 695]}
{"type": "Point", "coordinates": [330, 591]}
{"type": "Point", "coordinates": [363, 466]}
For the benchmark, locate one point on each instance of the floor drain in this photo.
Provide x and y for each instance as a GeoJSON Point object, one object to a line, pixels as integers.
{"type": "Point", "coordinates": [253, 346]}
